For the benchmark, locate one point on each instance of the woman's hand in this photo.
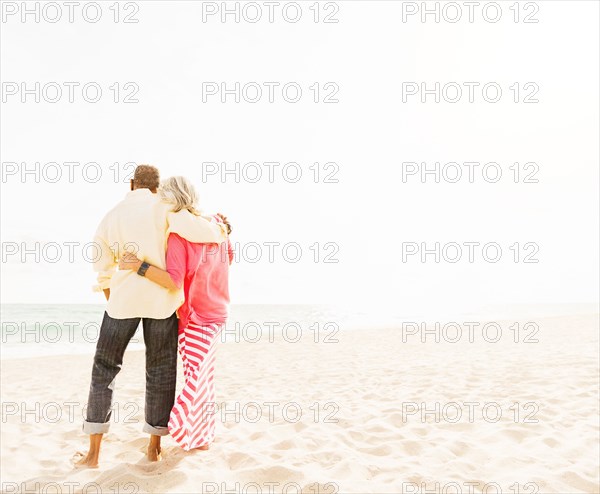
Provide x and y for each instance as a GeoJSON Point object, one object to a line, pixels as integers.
{"type": "Point", "coordinates": [129, 261]}
{"type": "Point", "coordinates": [225, 222]}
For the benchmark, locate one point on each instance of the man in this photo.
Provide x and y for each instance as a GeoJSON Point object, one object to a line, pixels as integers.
{"type": "Point", "coordinates": [138, 224]}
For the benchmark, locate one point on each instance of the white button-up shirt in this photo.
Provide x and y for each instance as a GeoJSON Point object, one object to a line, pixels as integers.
{"type": "Point", "coordinates": [139, 224]}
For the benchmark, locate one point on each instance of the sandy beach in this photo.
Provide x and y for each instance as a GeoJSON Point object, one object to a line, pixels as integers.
{"type": "Point", "coordinates": [373, 412]}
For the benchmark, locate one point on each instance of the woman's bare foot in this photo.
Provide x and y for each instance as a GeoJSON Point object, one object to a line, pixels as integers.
{"type": "Point", "coordinates": [154, 449]}
{"type": "Point", "coordinates": [205, 447]}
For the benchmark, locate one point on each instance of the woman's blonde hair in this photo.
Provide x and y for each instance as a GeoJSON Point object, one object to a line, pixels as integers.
{"type": "Point", "coordinates": [180, 193]}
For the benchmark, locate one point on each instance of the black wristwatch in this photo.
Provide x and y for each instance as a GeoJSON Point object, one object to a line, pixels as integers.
{"type": "Point", "coordinates": [143, 268]}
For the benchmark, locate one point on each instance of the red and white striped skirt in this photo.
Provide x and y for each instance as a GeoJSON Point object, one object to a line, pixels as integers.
{"type": "Point", "coordinates": [192, 421]}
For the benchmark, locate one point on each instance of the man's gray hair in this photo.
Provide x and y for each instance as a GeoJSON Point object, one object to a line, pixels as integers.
{"type": "Point", "coordinates": [146, 177]}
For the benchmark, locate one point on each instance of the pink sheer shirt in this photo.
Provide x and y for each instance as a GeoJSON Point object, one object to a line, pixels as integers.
{"type": "Point", "coordinates": [203, 270]}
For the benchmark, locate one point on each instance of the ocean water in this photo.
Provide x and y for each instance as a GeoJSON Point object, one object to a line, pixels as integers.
{"type": "Point", "coordinates": [30, 330]}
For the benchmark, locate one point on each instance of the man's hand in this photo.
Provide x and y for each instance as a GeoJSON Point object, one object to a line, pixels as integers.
{"type": "Point", "coordinates": [129, 261]}
{"type": "Point", "coordinates": [226, 222]}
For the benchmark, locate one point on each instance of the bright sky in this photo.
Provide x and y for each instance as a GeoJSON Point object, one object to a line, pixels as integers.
{"type": "Point", "coordinates": [370, 212]}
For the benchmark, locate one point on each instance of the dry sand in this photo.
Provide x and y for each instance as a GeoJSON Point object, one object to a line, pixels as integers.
{"type": "Point", "coordinates": [529, 417]}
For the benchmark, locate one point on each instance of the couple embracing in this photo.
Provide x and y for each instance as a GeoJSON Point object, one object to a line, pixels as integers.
{"type": "Point", "coordinates": [173, 277]}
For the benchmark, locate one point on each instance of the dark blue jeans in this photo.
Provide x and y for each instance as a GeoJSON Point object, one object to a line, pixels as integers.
{"type": "Point", "coordinates": [160, 338]}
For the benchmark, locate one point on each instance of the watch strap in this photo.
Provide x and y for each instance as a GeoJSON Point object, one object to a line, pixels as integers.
{"type": "Point", "coordinates": [143, 268]}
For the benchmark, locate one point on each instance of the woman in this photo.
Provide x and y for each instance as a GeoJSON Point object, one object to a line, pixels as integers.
{"type": "Point", "coordinates": [202, 270]}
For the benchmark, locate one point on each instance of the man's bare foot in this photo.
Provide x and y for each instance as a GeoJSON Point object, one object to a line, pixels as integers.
{"type": "Point", "coordinates": [87, 461]}
{"type": "Point", "coordinates": [154, 449]}
{"type": "Point", "coordinates": [90, 460]}
{"type": "Point", "coordinates": [154, 453]}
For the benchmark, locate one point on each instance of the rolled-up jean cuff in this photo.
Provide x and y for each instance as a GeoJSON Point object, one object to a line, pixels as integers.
{"type": "Point", "coordinates": [156, 431]}
{"type": "Point", "coordinates": [95, 427]}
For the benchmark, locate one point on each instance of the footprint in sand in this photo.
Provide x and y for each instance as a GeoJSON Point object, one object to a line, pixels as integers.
{"type": "Point", "coordinates": [550, 442]}
{"type": "Point", "coordinates": [579, 483]}
{"type": "Point", "coordinates": [412, 447]}
{"type": "Point", "coordinates": [241, 460]}
{"type": "Point", "coordinates": [383, 450]}
{"type": "Point", "coordinates": [284, 445]}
